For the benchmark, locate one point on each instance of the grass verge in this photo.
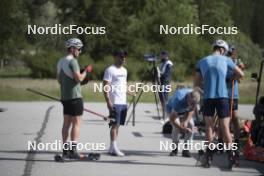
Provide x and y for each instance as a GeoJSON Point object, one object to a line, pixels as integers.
{"type": "Point", "coordinates": [14, 89]}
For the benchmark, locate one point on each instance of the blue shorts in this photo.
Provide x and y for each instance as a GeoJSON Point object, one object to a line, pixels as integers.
{"type": "Point", "coordinates": [220, 105]}
{"type": "Point", "coordinates": [235, 104]}
{"type": "Point", "coordinates": [120, 114]}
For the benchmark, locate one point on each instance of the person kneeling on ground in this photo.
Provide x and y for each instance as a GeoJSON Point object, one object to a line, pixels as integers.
{"type": "Point", "coordinates": [180, 108]}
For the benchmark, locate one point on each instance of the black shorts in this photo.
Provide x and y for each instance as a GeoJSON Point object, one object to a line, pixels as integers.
{"type": "Point", "coordinates": [235, 104]}
{"type": "Point", "coordinates": [73, 107]}
{"type": "Point", "coordinates": [220, 105]}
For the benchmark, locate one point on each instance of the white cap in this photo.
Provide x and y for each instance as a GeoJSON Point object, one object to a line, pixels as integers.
{"type": "Point", "coordinates": [221, 43]}
{"type": "Point", "coordinates": [74, 42]}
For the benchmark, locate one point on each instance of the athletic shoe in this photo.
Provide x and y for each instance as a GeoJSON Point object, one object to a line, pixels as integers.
{"type": "Point", "coordinates": [117, 152]}
{"type": "Point", "coordinates": [174, 152]}
{"type": "Point", "coordinates": [186, 153]}
{"type": "Point", "coordinates": [74, 154]}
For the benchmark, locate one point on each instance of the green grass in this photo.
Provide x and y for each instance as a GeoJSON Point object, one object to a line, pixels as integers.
{"type": "Point", "coordinates": [14, 82]}
{"type": "Point", "coordinates": [14, 89]}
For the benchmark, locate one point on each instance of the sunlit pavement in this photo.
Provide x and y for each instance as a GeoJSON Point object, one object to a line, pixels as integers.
{"type": "Point", "coordinates": [25, 122]}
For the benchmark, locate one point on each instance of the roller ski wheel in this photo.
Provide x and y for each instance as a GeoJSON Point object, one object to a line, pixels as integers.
{"type": "Point", "coordinates": [233, 160]}
{"type": "Point", "coordinates": [58, 158]}
{"type": "Point", "coordinates": [200, 156]}
{"type": "Point", "coordinates": [206, 160]}
{"type": "Point", "coordinates": [93, 156]}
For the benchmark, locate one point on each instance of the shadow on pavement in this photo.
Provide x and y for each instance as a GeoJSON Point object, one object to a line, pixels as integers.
{"type": "Point", "coordinates": [219, 160]}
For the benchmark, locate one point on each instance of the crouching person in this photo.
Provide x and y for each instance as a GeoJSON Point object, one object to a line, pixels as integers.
{"type": "Point", "coordinates": [180, 108]}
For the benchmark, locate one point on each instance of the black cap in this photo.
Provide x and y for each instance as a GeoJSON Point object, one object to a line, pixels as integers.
{"type": "Point", "coordinates": [164, 53]}
{"type": "Point", "coordinates": [232, 48]}
{"type": "Point", "coordinates": [120, 53]}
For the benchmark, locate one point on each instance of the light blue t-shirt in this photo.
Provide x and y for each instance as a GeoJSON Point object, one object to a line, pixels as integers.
{"type": "Point", "coordinates": [229, 85]}
{"type": "Point", "coordinates": [213, 69]}
{"type": "Point", "coordinates": [178, 101]}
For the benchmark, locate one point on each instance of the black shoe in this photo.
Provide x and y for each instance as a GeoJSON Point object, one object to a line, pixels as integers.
{"type": "Point", "coordinates": [233, 159]}
{"type": "Point", "coordinates": [201, 152]}
{"type": "Point", "coordinates": [73, 152]}
{"type": "Point", "coordinates": [174, 152]}
{"type": "Point", "coordinates": [186, 153]}
{"type": "Point", "coordinates": [208, 158]}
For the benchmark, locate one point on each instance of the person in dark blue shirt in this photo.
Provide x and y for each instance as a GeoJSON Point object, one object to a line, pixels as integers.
{"type": "Point", "coordinates": [233, 94]}
{"type": "Point", "coordinates": [165, 70]}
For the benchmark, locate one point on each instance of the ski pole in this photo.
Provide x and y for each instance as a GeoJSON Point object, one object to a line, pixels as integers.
{"type": "Point", "coordinates": [232, 100]}
{"type": "Point", "coordinates": [57, 99]}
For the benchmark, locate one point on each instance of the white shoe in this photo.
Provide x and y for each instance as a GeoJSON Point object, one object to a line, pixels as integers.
{"type": "Point", "coordinates": [117, 152]}
{"type": "Point", "coordinates": [162, 121]}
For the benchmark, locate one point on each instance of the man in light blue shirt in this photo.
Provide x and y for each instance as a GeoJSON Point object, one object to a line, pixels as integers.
{"type": "Point", "coordinates": [211, 73]}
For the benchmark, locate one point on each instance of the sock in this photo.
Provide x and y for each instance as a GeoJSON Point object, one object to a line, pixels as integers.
{"type": "Point", "coordinates": [111, 148]}
{"type": "Point", "coordinates": [114, 145]}
{"type": "Point", "coordinates": [116, 150]}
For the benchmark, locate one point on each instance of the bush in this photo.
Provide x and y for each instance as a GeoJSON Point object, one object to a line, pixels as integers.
{"type": "Point", "coordinates": [43, 65]}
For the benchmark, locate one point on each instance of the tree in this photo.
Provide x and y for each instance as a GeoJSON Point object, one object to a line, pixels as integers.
{"type": "Point", "coordinates": [11, 31]}
{"type": "Point", "coordinates": [257, 23]}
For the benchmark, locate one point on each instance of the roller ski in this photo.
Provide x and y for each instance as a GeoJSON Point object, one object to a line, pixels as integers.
{"type": "Point", "coordinates": [204, 158]}
{"type": "Point", "coordinates": [79, 157]}
{"type": "Point", "coordinates": [73, 155]}
{"type": "Point", "coordinates": [233, 159]}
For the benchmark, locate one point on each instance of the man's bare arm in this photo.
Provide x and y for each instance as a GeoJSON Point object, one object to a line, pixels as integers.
{"type": "Point", "coordinates": [198, 80]}
{"type": "Point", "coordinates": [106, 94]}
{"type": "Point", "coordinates": [78, 76]}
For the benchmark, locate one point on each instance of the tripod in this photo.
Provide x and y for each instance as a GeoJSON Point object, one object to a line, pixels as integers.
{"type": "Point", "coordinates": [155, 81]}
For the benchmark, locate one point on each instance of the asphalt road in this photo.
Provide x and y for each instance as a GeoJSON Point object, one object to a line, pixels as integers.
{"type": "Point", "coordinates": [24, 122]}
